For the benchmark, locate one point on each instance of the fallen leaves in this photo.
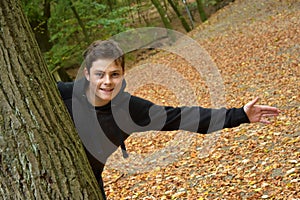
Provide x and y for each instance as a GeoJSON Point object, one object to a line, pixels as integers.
{"type": "Point", "coordinates": [257, 52]}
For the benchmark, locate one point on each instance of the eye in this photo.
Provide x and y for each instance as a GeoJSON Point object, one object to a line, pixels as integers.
{"type": "Point", "coordinates": [115, 74]}
{"type": "Point", "coordinates": [99, 74]}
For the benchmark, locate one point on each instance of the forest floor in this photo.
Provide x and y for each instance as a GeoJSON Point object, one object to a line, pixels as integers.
{"type": "Point", "coordinates": [255, 46]}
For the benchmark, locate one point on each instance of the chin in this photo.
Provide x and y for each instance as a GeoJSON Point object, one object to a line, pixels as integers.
{"type": "Point", "coordinates": [106, 98]}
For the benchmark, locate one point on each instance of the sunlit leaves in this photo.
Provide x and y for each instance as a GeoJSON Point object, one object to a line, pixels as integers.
{"type": "Point", "coordinates": [99, 21]}
{"type": "Point", "coordinates": [256, 49]}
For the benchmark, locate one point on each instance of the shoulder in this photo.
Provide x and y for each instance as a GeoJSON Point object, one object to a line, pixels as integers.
{"type": "Point", "coordinates": [138, 101]}
{"type": "Point", "coordinates": [65, 89]}
{"type": "Point", "coordinates": [140, 107]}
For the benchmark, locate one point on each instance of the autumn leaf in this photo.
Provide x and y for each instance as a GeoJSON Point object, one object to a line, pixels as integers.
{"type": "Point", "coordinates": [255, 45]}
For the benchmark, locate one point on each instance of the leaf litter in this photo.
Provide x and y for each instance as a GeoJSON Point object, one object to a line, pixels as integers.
{"type": "Point", "coordinates": [256, 46]}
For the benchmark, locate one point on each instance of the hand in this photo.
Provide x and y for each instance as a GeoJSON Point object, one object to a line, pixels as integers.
{"type": "Point", "coordinates": [257, 113]}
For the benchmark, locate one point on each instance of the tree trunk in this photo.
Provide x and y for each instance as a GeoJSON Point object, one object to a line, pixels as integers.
{"type": "Point", "coordinates": [162, 14]}
{"type": "Point", "coordinates": [201, 11]}
{"type": "Point", "coordinates": [40, 28]}
{"type": "Point", "coordinates": [82, 26]}
{"type": "Point", "coordinates": [180, 16]}
{"type": "Point", "coordinates": [41, 154]}
{"type": "Point", "coordinates": [141, 14]}
{"type": "Point", "coordinates": [111, 4]}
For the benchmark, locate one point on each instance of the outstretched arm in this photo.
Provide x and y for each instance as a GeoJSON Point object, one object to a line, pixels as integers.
{"type": "Point", "coordinates": [257, 113]}
{"type": "Point", "coordinates": [194, 119]}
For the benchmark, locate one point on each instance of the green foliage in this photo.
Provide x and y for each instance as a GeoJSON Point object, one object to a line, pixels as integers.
{"type": "Point", "coordinates": [33, 9]}
{"type": "Point", "coordinates": [192, 5]}
{"type": "Point", "coordinates": [211, 2]}
{"type": "Point", "coordinates": [67, 35]}
{"type": "Point", "coordinates": [113, 23]}
{"type": "Point", "coordinates": [70, 34]}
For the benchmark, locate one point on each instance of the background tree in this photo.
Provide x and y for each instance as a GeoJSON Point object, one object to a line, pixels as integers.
{"type": "Point", "coordinates": [180, 16]}
{"type": "Point", "coordinates": [69, 38]}
{"type": "Point", "coordinates": [80, 22]}
{"type": "Point", "coordinates": [38, 12]}
{"type": "Point", "coordinates": [162, 14]}
{"type": "Point", "coordinates": [111, 4]}
{"type": "Point", "coordinates": [201, 10]}
{"type": "Point", "coordinates": [41, 154]}
{"type": "Point", "coordinates": [66, 29]}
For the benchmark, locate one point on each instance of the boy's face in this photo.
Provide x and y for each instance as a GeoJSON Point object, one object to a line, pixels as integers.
{"type": "Point", "coordinates": [105, 81]}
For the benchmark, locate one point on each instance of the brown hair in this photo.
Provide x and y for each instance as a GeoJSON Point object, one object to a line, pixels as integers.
{"type": "Point", "coordinates": [106, 49]}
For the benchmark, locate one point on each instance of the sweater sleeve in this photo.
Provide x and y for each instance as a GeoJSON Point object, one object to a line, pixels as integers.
{"type": "Point", "coordinates": [65, 89]}
{"type": "Point", "coordinates": [203, 120]}
{"type": "Point", "coordinates": [150, 116]}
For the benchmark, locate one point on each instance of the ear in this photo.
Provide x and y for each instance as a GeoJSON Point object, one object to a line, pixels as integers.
{"type": "Point", "coordinates": [86, 74]}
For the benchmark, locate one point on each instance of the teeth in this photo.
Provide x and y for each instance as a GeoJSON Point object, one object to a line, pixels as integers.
{"type": "Point", "coordinates": [108, 90]}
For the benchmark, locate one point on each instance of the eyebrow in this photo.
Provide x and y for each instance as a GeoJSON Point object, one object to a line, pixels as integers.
{"type": "Point", "coordinates": [117, 70]}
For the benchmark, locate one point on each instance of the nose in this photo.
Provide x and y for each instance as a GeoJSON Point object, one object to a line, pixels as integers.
{"type": "Point", "coordinates": [107, 79]}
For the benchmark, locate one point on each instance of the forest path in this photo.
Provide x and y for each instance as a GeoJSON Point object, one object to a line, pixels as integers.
{"type": "Point", "coordinates": [256, 48]}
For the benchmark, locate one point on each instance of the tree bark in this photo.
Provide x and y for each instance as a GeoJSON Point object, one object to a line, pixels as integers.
{"type": "Point", "coordinates": [201, 11]}
{"type": "Point", "coordinates": [180, 16]}
{"type": "Point", "coordinates": [162, 14]}
{"type": "Point", "coordinates": [82, 26]}
{"type": "Point", "coordinates": [40, 152]}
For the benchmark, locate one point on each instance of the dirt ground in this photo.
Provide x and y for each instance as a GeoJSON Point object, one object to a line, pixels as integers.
{"type": "Point", "coordinates": [255, 46]}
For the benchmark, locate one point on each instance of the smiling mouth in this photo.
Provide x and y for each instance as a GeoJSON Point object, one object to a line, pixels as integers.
{"type": "Point", "coordinates": [106, 90]}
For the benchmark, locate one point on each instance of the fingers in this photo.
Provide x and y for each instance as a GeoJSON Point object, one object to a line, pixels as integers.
{"type": "Point", "coordinates": [259, 113]}
{"type": "Point", "coordinates": [266, 115]}
{"type": "Point", "coordinates": [269, 110]}
{"type": "Point", "coordinates": [269, 115]}
{"type": "Point", "coordinates": [253, 102]}
{"type": "Point", "coordinates": [264, 121]}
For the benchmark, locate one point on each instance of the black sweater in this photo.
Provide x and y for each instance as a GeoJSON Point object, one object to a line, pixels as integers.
{"type": "Point", "coordinates": [103, 129]}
